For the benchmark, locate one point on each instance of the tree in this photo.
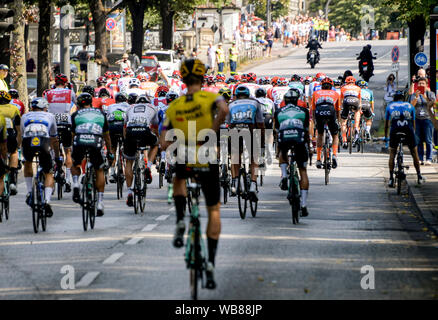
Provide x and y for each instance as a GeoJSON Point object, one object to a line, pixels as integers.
{"type": "Point", "coordinates": [97, 9]}
{"type": "Point", "coordinates": [137, 10]}
{"type": "Point", "coordinates": [44, 70]}
{"type": "Point", "coordinates": [278, 8]}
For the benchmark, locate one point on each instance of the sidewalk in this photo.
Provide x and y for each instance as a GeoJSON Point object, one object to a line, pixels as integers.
{"type": "Point", "coordinates": [425, 196]}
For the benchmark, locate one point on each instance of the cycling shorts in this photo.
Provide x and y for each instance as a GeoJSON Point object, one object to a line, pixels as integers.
{"type": "Point", "coordinates": [411, 139]}
{"type": "Point", "coordinates": [209, 182]}
{"type": "Point", "coordinates": [94, 148]}
{"type": "Point", "coordinates": [301, 152]}
{"type": "Point", "coordinates": [12, 141]}
{"type": "Point", "coordinates": [64, 133]}
{"type": "Point", "coordinates": [326, 114]}
{"type": "Point", "coordinates": [138, 137]}
{"type": "Point", "coordinates": [349, 104]}
{"type": "Point", "coordinates": [34, 145]}
{"type": "Point", "coordinates": [366, 109]}
{"type": "Point", "coordinates": [268, 121]}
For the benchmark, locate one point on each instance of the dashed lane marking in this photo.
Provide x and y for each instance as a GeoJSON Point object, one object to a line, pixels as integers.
{"type": "Point", "coordinates": [162, 218]}
{"type": "Point", "coordinates": [87, 279]}
{"type": "Point", "coordinates": [149, 227]}
{"type": "Point", "coordinates": [113, 258]}
{"type": "Point", "coordinates": [134, 241]}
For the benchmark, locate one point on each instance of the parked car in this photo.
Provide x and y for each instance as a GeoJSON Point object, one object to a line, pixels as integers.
{"type": "Point", "coordinates": [167, 60]}
{"type": "Point", "coordinates": [76, 48]}
{"type": "Point", "coordinates": [149, 63]}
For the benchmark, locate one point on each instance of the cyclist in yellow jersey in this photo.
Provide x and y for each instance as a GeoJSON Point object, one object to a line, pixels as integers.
{"type": "Point", "coordinates": [3, 153]}
{"type": "Point", "coordinates": [206, 110]}
{"type": "Point", "coordinates": [13, 119]}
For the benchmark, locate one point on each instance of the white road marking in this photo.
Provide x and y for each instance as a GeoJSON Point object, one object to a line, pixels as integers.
{"type": "Point", "coordinates": [149, 227]}
{"type": "Point", "coordinates": [113, 258]}
{"type": "Point", "coordinates": [162, 218]}
{"type": "Point", "coordinates": [87, 279]}
{"type": "Point", "coordinates": [134, 241]}
{"type": "Point", "coordinates": [172, 209]}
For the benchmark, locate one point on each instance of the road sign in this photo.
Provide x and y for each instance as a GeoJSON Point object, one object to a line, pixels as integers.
{"type": "Point", "coordinates": [395, 54]}
{"type": "Point", "coordinates": [395, 67]}
{"type": "Point", "coordinates": [420, 59]}
{"type": "Point", "coordinates": [110, 24]}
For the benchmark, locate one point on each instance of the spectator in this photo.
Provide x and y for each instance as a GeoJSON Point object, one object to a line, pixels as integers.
{"type": "Point", "coordinates": [423, 99]}
{"type": "Point", "coordinates": [270, 39]}
{"type": "Point", "coordinates": [124, 63]}
{"type": "Point", "coordinates": [389, 90]}
{"type": "Point", "coordinates": [286, 32]}
{"type": "Point", "coordinates": [421, 73]}
{"type": "Point", "coordinates": [211, 57]}
{"type": "Point", "coordinates": [4, 69]}
{"type": "Point", "coordinates": [135, 60]}
{"type": "Point", "coordinates": [83, 57]}
{"type": "Point", "coordinates": [30, 63]}
{"type": "Point", "coordinates": [220, 58]}
{"type": "Point", "coordinates": [332, 34]}
{"type": "Point", "coordinates": [277, 32]}
{"type": "Point", "coordinates": [234, 53]}
{"type": "Point", "coordinates": [237, 36]}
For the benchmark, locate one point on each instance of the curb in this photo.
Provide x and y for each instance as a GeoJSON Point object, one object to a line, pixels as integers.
{"type": "Point", "coordinates": [266, 60]}
{"type": "Point", "coordinates": [417, 199]}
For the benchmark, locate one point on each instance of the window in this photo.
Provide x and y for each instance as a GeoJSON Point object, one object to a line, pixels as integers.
{"type": "Point", "coordinates": [160, 56]}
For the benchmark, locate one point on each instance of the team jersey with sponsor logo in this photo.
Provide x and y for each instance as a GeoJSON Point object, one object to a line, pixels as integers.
{"type": "Point", "coordinates": [401, 114]}
{"type": "Point", "coordinates": [325, 97]}
{"type": "Point", "coordinates": [38, 124]}
{"type": "Point", "coordinates": [245, 111]}
{"type": "Point", "coordinates": [60, 103]}
{"type": "Point", "coordinates": [116, 113]}
{"type": "Point", "coordinates": [292, 123]}
{"type": "Point", "coordinates": [141, 115]}
{"type": "Point", "coordinates": [267, 105]}
{"type": "Point", "coordinates": [89, 121]}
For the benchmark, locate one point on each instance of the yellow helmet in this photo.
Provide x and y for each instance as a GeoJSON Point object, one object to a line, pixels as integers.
{"type": "Point", "coordinates": [5, 97]}
{"type": "Point", "coordinates": [192, 67]}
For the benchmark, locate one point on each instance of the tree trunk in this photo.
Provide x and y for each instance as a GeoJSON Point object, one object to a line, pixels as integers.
{"type": "Point", "coordinates": [417, 29]}
{"type": "Point", "coordinates": [18, 63]}
{"type": "Point", "coordinates": [97, 9]}
{"type": "Point", "coordinates": [137, 35]}
{"type": "Point", "coordinates": [167, 19]}
{"type": "Point", "coordinates": [43, 81]}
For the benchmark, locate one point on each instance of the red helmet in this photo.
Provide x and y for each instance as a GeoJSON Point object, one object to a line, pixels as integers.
{"type": "Point", "coordinates": [282, 82]}
{"type": "Point", "coordinates": [350, 79]}
{"type": "Point", "coordinates": [220, 77]}
{"type": "Point", "coordinates": [320, 75]}
{"type": "Point", "coordinates": [251, 77]}
{"type": "Point", "coordinates": [244, 78]}
{"type": "Point", "coordinates": [101, 80]}
{"type": "Point", "coordinates": [176, 74]}
{"type": "Point", "coordinates": [326, 81]}
{"type": "Point", "coordinates": [237, 77]}
{"type": "Point", "coordinates": [210, 80]}
{"type": "Point", "coordinates": [143, 77]}
{"type": "Point", "coordinates": [108, 74]}
{"type": "Point", "coordinates": [161, 91]}
{"type": "Point", "coordinates": [61, 79]}
{"type": "Point", "coordinates": [274, 81]}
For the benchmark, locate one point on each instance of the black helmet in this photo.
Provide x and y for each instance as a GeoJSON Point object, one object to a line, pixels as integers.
{"type": "Point", "coordinates": [132, 98]}
{"type": "Point", "coordinates": [143, 99]}
{"type": "Point", "coordinates": [121, 97]}
{"type": "Point", "coordinates": [399, 95]}
{"type": "Point", "coordinates": [14, 94]}
{"type": "Point", "coordinates": [89, 90]}
{"type": "Point", "coordinates": [104, 92]}
{"type": "Point", "coordinates": [84, 99]}
{"type": "Point", "coordinates": [292, 96]}
{"type": "Point", "coordinates": [242, 91]}
{"type": "Point", "coordinates": [260, 93]}
{"type": "Point", "coordinates": [295, 77]}
{"type": "Point", "coordinates": [170, 96]}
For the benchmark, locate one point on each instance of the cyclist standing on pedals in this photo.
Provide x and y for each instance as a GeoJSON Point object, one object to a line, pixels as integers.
{"type": "Point", "coordinates": [140, 130]}
{"type": "Point", "coordinates": [245, 112]}
{"type": "Point", "coordinates": [367, 105]}
{"type": "Point", "coordinates": [292, 124]}
{"type": "Point", "coordinates": [89, 128]}
{"type": "Point", "coordinates": [200, 107]}
{"type": "Point", "coordinates": [402, 117]}
{"type": "Point", "coordinates": [40, 134]}
{"type": "Point", "coordinates": [13, 119]}
{"type": "Point", "coordinates": [351, 101]}
{"type": "Point", "coordinates": [326, 107]}
{"type": "Point", "coordinates": [61, 101]}
{"type": "Point", "coordinates": [115, 115]}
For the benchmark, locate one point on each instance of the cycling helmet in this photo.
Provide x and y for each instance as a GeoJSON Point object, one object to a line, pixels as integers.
{"type": "Point", "coordinates": [399, 95]}
{"type": "Point", "coordinates": [362, 83]}
{"type": "Point", "coordinates": [84, 99]}
{"type": "Point", "coordinates": [143, 99]}
{"type": "Point", "coordinates": [308, 80]}
{"type": "Point", "coordinates": [350, 79]}
{"type": "Point", "coordinates": [283, 82]}
{"type": "Point", "coordinates": [121, 97]}
{"type": "Point", "coordinates": [104, 93]}
{"type": "Point", "coordinates": [101, 80]}
{"type": "Point", "coordinates": [274, 81]}
{"type": "Point", "coordinates": [295, 77]}
{"type": "Point", "coordinates": [327, 82]}
{"type": "Point", "coordinates": [260, 93]}
{"type": "Point", "coordinates": [108, 75]}
{"type": "Point", "coordinates": [320, 76]}
{"type": "Point", "coordinates": [192, 68]}
{"type": "Point", "coordinates": [242, 91]}
{"type": "Point", "coordinates": [89, 90]}
{"type": "Point", "coordinates": [266, 80]}
{"type": "Point", "coordinates": [61, 79]}
{"type": "Point", "coordinates": [14, 94]}
{"type": "Point", "coordinates": [5, 97]}
{"type": "Point", "coordinates": [176, 74]}
{"type": "Point", "coordinates": [244, 78]}
{"type": "Point", "coordinates": [292, 96]}
{"type": "Point", "coordinates": [171, 95]}
{"type": "Point", "coordinates": [251, 77]}
{"type": "Point", "coordinates": [161, 91]}
{"type": "Point", "coordinates": [39, 103]}
{"type": "Point", "coordinates": [237, 77]}
{"type": "Point", "coordinates": [347, 73]}
{"type": "Point", "coordinates": [210, 80]}
{"type": "Point", "coordinates": [220, 77]}
{"type": "Point", "coordinates": [226, 93]}
{"type": "Point", "coordinates": [337, 83]}
{"type": "Point", "coordinates": [230, 80]}
{"type": "Point", "coordinates": [132, 98]}
{"type": "Point", "coordinates": [134, 82]}
{"type": "Point", "coordinates": [143, 77]}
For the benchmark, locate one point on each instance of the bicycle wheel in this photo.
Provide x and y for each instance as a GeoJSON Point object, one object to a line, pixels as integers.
{"type": "Point", "coordinates": [160, 180]}
{"type": "Point", "coordinates": [35, 215]}
{"type": "Point", "coordinates": [294, 197]}
{"type": "Point", "coordinates": [137, 189]}
{"type": "Point", "coordinates": [242, 193]}
{"type": "Point", "coordinates": [6, 200]}
{"type": "Point", "coordinates": [1, 212]}
{"type": "Point", "coordinates": [59, 189]}
{"type": "Point", "coordinates": [362, 140]}
{"type": "Point", "coordinates": [85, 203]}
{"type": "Point", "coordinates": [350, 138]}
{"type": "Point", "coordinates": [42, 211]}
{"type": "Point", "coordinates": [92, 209]}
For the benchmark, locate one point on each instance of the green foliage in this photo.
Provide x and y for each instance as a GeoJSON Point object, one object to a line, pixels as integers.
{"type": "Point", "coordinates": [409, 9]}
{"type": "Point", "coordinates": [279, 8]}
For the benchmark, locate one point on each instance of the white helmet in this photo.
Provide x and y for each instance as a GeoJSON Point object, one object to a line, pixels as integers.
{"type": "Point", "coordinates": [39, 103]}
{"type": "Point", "coordinates": [134, 82]}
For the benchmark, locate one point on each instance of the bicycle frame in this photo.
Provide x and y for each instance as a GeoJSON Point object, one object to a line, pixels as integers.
{"type": "Point", "coordinates": [294, 186]}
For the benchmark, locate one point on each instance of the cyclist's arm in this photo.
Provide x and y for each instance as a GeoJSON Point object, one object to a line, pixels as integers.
{"type": "Point", "coordinates": [106, 135]}
{"type": "Point", "coordinates": [17, 124]}
{"type": "Point", "coordinates": [387, 117]}
{"type": "Point", "coordinates": [221, 114]}
{"type": "Point", "coordinates": [432, 118]}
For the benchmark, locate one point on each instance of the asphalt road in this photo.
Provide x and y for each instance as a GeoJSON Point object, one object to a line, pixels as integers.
{"type": "Point", "coordinates": [354, 222]}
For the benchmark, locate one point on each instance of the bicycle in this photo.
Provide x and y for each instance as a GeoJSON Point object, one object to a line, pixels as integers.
{"type": "Point", "coordinates": [362, 135]}
{"type": "Point", "coordinates": [196, 252]}
{"type": "Point", "coordinates": [140, 185]}
{"type": "Point", "coordinates": [350, 131]}
{"type": "Point", "coordinates": [5, 198]}
{"type": "Point", "coordinates": [327, 150]}
{"type": "Point", "coordinates": [243, 195]}
{"type": "Point", "coordinates": [225, 178]}
{"type": "Point", "coordinates": [120, 178]}
{"type": "Point", "coordinates": [37, 199]}
{"type": "Point", "coordinates": [399, 171]}
{"type": "Point", "coordinates": [88, 200]}
{"type": "Point", "coordinates": [294, 193]}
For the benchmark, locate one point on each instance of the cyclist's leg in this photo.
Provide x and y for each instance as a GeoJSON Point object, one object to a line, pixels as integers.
{"type": "Point", "coordinates": [344, 117]}
{"type": "Point", "coordinates": [12, 146]}
{"type": "Point", "coordinates": [283, 160]}
{"type": "Point", "coordinates": [46, 163]}
{"type": "Point", "coordinates": [66, 143]}
{"type": "Point", "coordinates": [78, 154]}
{"type": "Point", "coordinates": [129, 151]}
{"type": "Point", "coordinates": [114, 144]}
{"type": "Point", "coordinates": [302, 157]}
{"type": "Point", "coordinates": [357, 114]}
{"type": "Point", "coordinates": [180, 200]}
{"type": "Point", "coordinates": [97, 161]}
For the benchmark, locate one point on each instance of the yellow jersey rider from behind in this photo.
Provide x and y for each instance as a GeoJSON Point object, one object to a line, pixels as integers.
{"type": "Point", "coordinates": [199, 107]}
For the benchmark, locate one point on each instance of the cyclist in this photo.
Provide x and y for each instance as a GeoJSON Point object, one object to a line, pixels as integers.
{"type": "Point", "coordinates": [112, 83]}
{"type": "Point", "coordinates": [160, 100]}
{"type": "Point", "coordinates": [367, 105]}
{"type": "Point", "coordinates": [351, 101]}
{"type": "Point", "coordinates": [170, 96]}
{"type": "Point", "coordinates": [17, 102]}
{"type": "Point", "coordinates": [103, 100]}
{"type": "Point", "coordinates": [115, 116]}
{"type": "Point", "coordinates": [277, 93]}
{"type": "Point", "coordinates": [101, 83]}
{"type": "Point", "coordinates": [292, 124]}
{"type": "Point", "coordinates": [123, 82]}
{"type": "Point", "coordinates": [89, 128]}
{"type": "Point", "coordinates": [326, 108]}
{"type": "Point", "coordinates": [140, 130]}
{"type": "Point", "coordinates": [245, 112]}
{"type": "Point", "coordinates": [40, 135]}
{"type": "Point", "coordinates": [13, 119]}
{"type": "Point", "coordinates": [134, 87]}
{"type": "Point", "coordinates": [198, 106]}
{"type": "Point", "coordinates": [3, 154]}
{"type": "Point", "coordinates": [402, 117]}
{"type": "Point", "coordinates": [267, 107]}
{"type": "Point", "coordinates": [61, 102]}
